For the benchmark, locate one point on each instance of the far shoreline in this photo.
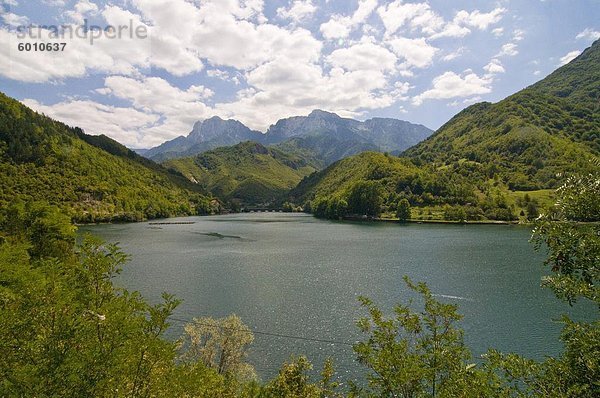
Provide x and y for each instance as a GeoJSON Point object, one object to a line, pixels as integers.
{"type": "Point", "coordinates": [160, 221]}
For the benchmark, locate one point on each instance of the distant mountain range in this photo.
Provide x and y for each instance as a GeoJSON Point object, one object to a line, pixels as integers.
{"type": "Point", "coordinates": [323, 136]}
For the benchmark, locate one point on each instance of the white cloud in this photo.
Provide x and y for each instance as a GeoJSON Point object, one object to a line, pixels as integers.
{"type": "Point", "coordinates": [298, 10]}
{"type": "Point", "coordinates": [79, 57]}
{"type": "Point", "coordinates": [339, 26]}
{"type": "Point", "coordinates": [415, 15]}
{"type": "Point", "coordinates": [451, 85]}
{"type": "Point", "coordinates": [363, 56]}
{"type": "Point", "coordinates": [518, 35]}
{"type": "Point", "coordinates": [494, 67]}
{"type": "Point", "coordinates": [158, 111]}
{"type": "Point", "coordinates": [472, 100]}
{"type": "Point", "coordinates": [498, 32]}
{"type": "Point", "coordinates": [119, 123]}
{"type": "Point", "coordinates": [508, 49]}
{"type": "Point", "coordinates": [588, 34]}
{"type": "Point", "coordinates": [286, 87]}
{"type": "Point", "coordinates": [54, 3]}
{"type": "Point", "coordinates": [478, 19]}
{"type": "Point", "coordinates": [420, 16]}
{"type": "Point", "coordinates": [569, 57]}
{"type": "Point", "coordinates": [225, 40]}
{"type": "Point", "coordinates": [451, 30]}
{"type": "Point", "coordinates": [224, 75]}
{"type": "Point", "coordinates": [81, 10]}
{"type": "Point", "coordinates": [14, 20]}
{"type": "Point", "coordinates": [227, 34]}
{"type": "Point", "coordinates": [400, 89]}
{"type": "Point", "coordinates": [466, 101]}
{"type": "Point", "coordinates": [364, 10]}
{"type": "Point", "coordinates": [178, 108]}
{"type": "Point", "coordinates": [416, 52]}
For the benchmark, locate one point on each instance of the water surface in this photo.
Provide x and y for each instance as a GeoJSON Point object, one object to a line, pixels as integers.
{"type": "Point", "coordinates": [292, 274]}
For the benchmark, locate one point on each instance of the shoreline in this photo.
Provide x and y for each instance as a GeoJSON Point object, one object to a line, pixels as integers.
{"type": "Point", "coordinates": [157, 221]}
{"type": "Point", "coordinates": [464, 222]}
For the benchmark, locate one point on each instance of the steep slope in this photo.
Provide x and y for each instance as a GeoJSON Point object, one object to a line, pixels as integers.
{"type": "Point", "coordinates": [208, 134]}
{"type": "Point", "coordinates": [93, 178]}
{"type": "Point", "coordinates": [393, 135]}
{"type": "Point", "coordinates": [321, 150]}
{"type": "Point", "coordinates": [381, 134]}
{"type": "Point", "coordinates": [550, 127]}
{"type": "Point", "coordinates": [246, 173]}
{"type": "Point", "coordinates": [317, 122]}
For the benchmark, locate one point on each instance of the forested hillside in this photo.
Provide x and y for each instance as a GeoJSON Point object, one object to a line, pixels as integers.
{"type": "Point", "coordinates": [374, 183]}
{"type": "Point", "coordinates": [246, 173]}
{"type": "Point", "coordinates": [92, 178]}
{"type": "Point", "coordinates": [528, 138]}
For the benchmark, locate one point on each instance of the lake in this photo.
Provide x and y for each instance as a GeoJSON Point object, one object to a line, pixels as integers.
{"type": "Point", "coordinates": [294, 275]}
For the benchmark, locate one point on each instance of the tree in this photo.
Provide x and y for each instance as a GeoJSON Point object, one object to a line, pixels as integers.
{"type": "Point", "coordinates": [403, 210]}
{"type": "Point", "coordinates": [365, 198]}
{"type": "Point", "coordinates": [454, 213]}
{"type": "Point", "coordinates": [532, 211]}
{"type": "Point", "coordinates": [220, 344]}
{"type": "Point", "coordinates": [417, 354]}
{"type": "Point", "coordinates": [571, 234]}
{"type": "Point", "coordinates": [67, 331]}
{"type": "Point", "coordinates": [293, 381]}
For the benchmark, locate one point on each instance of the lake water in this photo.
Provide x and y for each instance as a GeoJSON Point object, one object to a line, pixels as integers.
{"type": "Point", "coordinates": [292, 274]}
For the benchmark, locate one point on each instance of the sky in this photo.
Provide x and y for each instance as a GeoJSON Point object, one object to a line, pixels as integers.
{"type": "Point", "coordinates": [175, 62]}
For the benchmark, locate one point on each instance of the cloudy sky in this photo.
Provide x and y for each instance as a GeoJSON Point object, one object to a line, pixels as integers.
{"type": "Point", "coordinates": [258, 61]}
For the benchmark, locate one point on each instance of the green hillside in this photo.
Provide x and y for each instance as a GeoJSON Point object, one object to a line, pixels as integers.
{"type": "Point", "coordinates": [246, 173]}
{"type": "Point", "coordinates": [528, 138]}
{"type": "Point", "coordinates": [394, 179]}
{"type": "Point", "coordinates": [446, 193]}
{"type": "Point", "coordinates": [92, 178]}
{"type": "Point", "coordinates": [321, 150]}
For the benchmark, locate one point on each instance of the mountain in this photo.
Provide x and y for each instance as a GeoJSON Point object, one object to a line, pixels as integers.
{"type": "Point", "coordinates": [328, 137]}
{"type": "Point", "coordinates": [317, 122]}
{"type": "Point", "coordinates": [205, 135]}
{"type": "Point", "coordinates": [323, 136]}
{"type": "Point", "coordinates": [528, 138]}
{"type": "Point", "coordinates": [321, 150]}
{"type": "Point", "coordinates": [92, 178]}
{"type": "Point", "coordinates": [246, 173]}
{"type": "Point", "coordinates": [140, 151]}
{"type": "Point", "coordinates": [384, 134]}
{"type": "Point", "coordinates": [394, 135]}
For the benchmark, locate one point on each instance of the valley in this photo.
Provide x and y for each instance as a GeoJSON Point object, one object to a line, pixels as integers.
{"type": "Point", "coordinates": [247, 201]}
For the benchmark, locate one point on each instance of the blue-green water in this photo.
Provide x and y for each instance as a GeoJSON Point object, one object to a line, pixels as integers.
{"type": "Point", "coordinates": [295, 275]}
